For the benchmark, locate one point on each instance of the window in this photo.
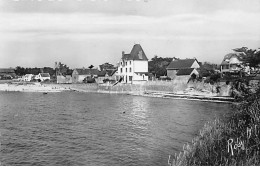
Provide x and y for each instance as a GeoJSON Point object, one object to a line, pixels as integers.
{"type": "Point", "coordinates": [130, 70]}
{"type": "Point", "coordinates": [130, 62]}
{"type": "Point", "coordinates": [130, 78]}
{"type": "Point", "coordinates": [126, 63]}
{"type": "Point", "coordinates": [125, 69]}
{"type": "Point", "coordinates": [121, 63]}
{"type": "Point", "coordinates": [121, 70]}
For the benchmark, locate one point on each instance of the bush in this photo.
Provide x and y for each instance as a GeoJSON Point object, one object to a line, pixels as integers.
{"type": "Point", "coordinates": [212, 145]}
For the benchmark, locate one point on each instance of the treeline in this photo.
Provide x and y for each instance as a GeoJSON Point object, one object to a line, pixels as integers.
{"type": "Point", "coordinates": [61, 69]}
{"type": "Point", "coordinates": [250, 56]}
{"type": "Point", "coordinates": [157, 66]}
{"type": "Point", "coordinates": [20, 71]}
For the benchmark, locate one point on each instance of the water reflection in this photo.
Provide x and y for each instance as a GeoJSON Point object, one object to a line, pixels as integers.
{"type": "Point", "coordinates": [139, 112]}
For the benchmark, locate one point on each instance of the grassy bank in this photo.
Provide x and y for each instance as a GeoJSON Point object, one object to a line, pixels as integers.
{"type": "Point", "coordinates": [233, 141]}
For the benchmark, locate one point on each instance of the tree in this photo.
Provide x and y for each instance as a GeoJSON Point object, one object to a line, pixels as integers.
{"type": "Point", "coordinates": [62, 69]}
{"type": "Point", "coordinates": [251, 56]}
{"type": "Point", "coordinates": [20, 71]}
{"type": "Point", "coordinates": [91, 66]}
{"type": "Point", "coordinates": [158, 65]}
{"type": "Point", "coordinates": [106, 66]}
{"type": "Point", "coordinates": [207, 69]}
{"type": "Point", "coordinates": [49, 70]}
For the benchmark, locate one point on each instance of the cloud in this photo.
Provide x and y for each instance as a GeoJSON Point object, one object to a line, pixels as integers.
{"type": "Point", "coordinates": [223, 24]}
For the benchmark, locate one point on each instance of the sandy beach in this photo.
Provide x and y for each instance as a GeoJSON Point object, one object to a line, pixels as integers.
{"type": "Point", "coordinates": [32, 87]}
{"type": "Point", "coordinates": [47, 88]}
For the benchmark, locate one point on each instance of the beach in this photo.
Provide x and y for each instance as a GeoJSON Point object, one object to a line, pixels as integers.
{"type": "Point", "coordinates": [31, 87]}
{"type": "Point", "coordinates": [188, 93]}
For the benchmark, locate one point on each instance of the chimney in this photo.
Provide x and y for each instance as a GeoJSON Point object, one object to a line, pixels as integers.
{"type": "Point", "coordinates": [123, 53]}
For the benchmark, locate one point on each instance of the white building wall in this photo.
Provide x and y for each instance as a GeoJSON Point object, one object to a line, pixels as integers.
{"type": "Point", "coordinates": [82, 77]}
{"type": "Point", "coordinates": [138, 77]}
{"type": "Point", "coordinates": [140, 66]}
{"type": "Point", "coordinates": [135, 66]}
{"type": "Point", "coordinates": [195, 65]}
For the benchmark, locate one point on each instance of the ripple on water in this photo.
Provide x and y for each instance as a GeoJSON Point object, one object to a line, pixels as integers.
{"type": "Point", "coordinates": [97, 129]}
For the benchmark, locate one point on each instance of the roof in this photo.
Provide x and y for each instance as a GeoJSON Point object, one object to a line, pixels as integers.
{"type": "Point", "coordinates": [183, 72]}
{"type": "Point", "coordinates": [28, 75]}
{"type": "Point", "coordinates": [137, 53]}
{"type": "Point", "coordinates": [227, 58]}
{"type": "Point", "coordinates": [181, 64]}
{"type": "Point", "coordinates": [3, 70]}
{"type": "Point", "coordinates": [45, 74]}
{"type": "Point", "coordinates": [109, 72]}
{"type": "Point", "coordinates": [87, 71]}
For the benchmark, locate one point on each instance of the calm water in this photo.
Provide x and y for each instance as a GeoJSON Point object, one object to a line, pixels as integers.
{"type": "Point", "coordinates": [72, 128]}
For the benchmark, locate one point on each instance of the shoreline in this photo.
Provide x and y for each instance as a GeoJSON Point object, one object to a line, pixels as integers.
{"type": "Point", "coordinates": [52, 88]}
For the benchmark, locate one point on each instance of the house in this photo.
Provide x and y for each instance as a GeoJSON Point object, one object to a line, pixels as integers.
{"type": "Point", "coordinates": [231, 63]}
{"type": "Point", "coordinates": [108, 74]}
{"type": "Point", "coordinates": [182, 67]}
{"type": "Point", "coordinates": [64, 79]}
{"type": "Point", "coordinates": [7, 73]}
{"type": "Point", "coordinates": [43, 76]}
{"type": "Point", "coordinates": [27, 77]}
{"type": "Point", "coordinates": [185, 74]}
{"type": "Point", "coordinates": [78, 75]}
{"type": "Point", "coordinates": [133, 67]}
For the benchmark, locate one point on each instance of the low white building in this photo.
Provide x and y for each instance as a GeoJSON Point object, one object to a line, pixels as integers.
{"type": "Point", "coordinates": [133, 67]}
{"type": "Point", "coordinates": [27, 77]}
{"type": "Point", "coordinates": [231, 63]}
{"type": "Point", "coordinates": [43, 76]}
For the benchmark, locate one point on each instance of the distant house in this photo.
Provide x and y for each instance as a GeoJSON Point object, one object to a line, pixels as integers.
{"type": "Point", "coordinates": [78, 75]}
{"type": "Point", "coordinates": [133, 67]}
{"type": "Point", "coordinates": [27, 77]}
{"type": "Point", "coordinates": [64, 79]}
{"type": "Point", "coordinates": [231, 63]}
{"type": "Point", "coordinates": [7, 73]}
{"type": "Point", "coordinates": [182, 67]}
{"type": "Point", "coordinates": [108, 74]}
{"type": "Point", "coordinates": [42, 76]}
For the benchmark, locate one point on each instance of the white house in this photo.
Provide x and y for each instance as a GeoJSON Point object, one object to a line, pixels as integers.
{"type": "Point", "coordinates": [43, 76]}
{"type": "Point", "coordinates": [27, 77]}
{"type": "Point", "coordinates": [231, 63]}
{"type": "Point", "coordinates": [133, 67]}
{"type": "Point", "coordinates": [78, 75]}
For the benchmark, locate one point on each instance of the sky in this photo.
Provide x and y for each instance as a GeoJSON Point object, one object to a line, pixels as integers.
{"type": "Point", "coordinates": [37, 33]}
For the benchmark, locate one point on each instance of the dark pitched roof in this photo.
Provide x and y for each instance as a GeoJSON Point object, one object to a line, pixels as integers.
{"type": "Point", "coordinates": [109, 72]}
{"type": "Point", "coordinates": [181, 64]}
{"type": "Point", "coordinates": [102, 73]}
{"type": "Point", "coordinates": [6, 70]}
{"type": "Point", "coordinates": [45, 74]}
{"type": "Point", "coordinates": [137, 53]}
{"type": "Point", "coordinates": [182, 72]}
{"type": "Point", "coordinates": [87, 71]}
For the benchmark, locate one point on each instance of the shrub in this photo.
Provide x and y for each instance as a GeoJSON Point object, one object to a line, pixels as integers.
{"type": "Point", "coordinates": [211, 146]}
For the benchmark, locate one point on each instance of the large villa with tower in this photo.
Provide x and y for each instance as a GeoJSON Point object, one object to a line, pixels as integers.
{"type": "Point", "coordinates": [133, 67]}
